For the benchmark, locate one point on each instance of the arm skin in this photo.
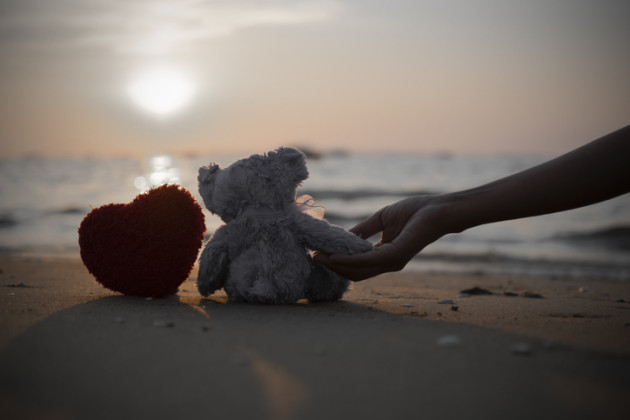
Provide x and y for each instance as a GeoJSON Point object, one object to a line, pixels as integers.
{"type": "Point", "coordinates": [595, 172]}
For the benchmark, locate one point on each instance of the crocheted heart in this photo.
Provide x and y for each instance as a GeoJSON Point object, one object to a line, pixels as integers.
{"type": "Point", "coordinates": [147, 247]}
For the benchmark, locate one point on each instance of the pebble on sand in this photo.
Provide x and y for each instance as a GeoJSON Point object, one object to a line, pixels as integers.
{"type": "Point", "coordinates": [450, 340]}
{"type": "Point", "coordinates": [476, 291]}
{"type": "Point", "coordinates": [522, 349]}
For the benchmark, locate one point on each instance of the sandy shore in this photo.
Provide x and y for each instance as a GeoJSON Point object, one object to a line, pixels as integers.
{"type": "Point", "coordinates": [533, 348]}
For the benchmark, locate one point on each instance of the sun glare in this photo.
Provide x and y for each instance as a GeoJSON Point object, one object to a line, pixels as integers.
{"type": "Point", "coordinates": [161, 91]}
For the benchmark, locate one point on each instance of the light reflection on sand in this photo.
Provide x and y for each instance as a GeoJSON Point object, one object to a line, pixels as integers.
{"type": "Point", "coordinates": [284, 393]}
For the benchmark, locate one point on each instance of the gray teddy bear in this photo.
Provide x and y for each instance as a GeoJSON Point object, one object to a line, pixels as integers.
{"type": "Point", "coordinates": [261, 253]}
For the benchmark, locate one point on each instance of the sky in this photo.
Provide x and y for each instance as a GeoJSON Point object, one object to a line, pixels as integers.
{"type": "Point", "coordinates": [134, 77]}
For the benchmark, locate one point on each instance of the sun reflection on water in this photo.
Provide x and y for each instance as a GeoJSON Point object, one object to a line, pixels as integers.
{"type": "Point", "coordinates": [162, 170]}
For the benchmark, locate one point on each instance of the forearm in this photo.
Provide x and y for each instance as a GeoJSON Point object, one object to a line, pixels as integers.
{"type": "Point", "coordinates": [595, 172]}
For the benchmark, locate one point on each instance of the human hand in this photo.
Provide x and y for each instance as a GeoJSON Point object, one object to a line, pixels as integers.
{"type": "Point", "coordinates": [595, 172]}
{"type": "Point", "coordinates": [407, 227]}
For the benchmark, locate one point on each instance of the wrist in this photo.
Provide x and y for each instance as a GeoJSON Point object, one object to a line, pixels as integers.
{"type": "Point", "coordinates": [460, 210]}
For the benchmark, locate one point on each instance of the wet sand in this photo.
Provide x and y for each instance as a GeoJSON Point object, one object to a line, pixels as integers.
{"type": "Point", "coordinates": [402, 345]}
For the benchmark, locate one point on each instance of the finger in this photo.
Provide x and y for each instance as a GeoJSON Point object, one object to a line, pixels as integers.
{"type": "Point", "coordinates": [380, 260]}
{"type": "Point", "coordinates": [354, 273]}
{"type": "Point", "coordinates": [351, 272]}
{"type": "Point", "coordinates": [409, 242]}
{"type": "Point", "coordinates": [384, 254]}
{"type": "Point", "coordinates": [391, 232]}
{"type": "Point", "coordinates": [332, 261]}
{"type": "Point", "coordinates": [369, 258]}
{"type": "Point", "coordinates": [369, 227]}
{"type": "Point", "coordinates": [357, 273]}
{"type": "Point", "coordinates": [320, 258]}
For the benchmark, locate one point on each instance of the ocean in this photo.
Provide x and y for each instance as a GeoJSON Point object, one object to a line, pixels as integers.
{"type": "Point", "coordinates": [43, 200]}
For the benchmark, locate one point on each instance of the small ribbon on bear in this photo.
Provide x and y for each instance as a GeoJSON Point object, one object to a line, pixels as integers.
{"type": "Point", "coordinates": [306, 204]}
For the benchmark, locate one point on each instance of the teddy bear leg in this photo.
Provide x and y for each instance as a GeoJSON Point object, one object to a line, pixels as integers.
{"type": "Point", "coordinates": [278, 286]}
{"type": "Point", "coordinates": [325, 285]}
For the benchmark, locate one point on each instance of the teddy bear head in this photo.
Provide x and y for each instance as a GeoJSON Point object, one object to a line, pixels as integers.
{"type": "Point", "coordinates": [266, 181]}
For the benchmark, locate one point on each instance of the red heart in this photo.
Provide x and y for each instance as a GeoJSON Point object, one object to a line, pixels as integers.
{"type": "Point", "coordinates": [147, 247]}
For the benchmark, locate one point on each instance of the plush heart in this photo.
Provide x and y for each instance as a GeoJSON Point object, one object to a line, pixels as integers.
{"type": "Point", "coordinates": [147, 247]}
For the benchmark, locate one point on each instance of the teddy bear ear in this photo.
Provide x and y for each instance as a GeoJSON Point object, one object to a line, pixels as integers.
{"type": "Point", "coordinates": [295, 162]}
{"type": "Point", "coordinates": [206, 178]}
{"type": "Point", "coordinates": [207, 173]}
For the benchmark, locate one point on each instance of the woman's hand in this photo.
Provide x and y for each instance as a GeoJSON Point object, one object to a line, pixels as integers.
{"type": "Point", "coordinates": [595, 172]}
{"type": "Point", "coordinates": [407, 227]}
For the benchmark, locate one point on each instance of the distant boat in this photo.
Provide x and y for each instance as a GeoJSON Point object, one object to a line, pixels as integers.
{"type": "Point", "coordinates": [310, 153]}
{"type": "Point", "coordinates": [313, 154]}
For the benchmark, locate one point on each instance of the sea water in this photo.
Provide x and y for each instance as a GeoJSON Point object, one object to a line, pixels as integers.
{"type": "Point", "coordinates": [43, 200]}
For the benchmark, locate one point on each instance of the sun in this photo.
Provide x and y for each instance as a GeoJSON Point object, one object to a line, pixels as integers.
{"type": "Point", "coordinates": [161, 91]}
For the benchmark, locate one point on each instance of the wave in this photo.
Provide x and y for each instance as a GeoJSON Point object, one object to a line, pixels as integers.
{"type": "Point", "coordinates": [496, 257]}
{"type": "Point", "coordinates": [614, 237]}
{"type": "Point", "coordinates": [22, 217]}
{"type": "Point", "coordinates": [360, 193]}
{"type": "Point", "coordinates": [71, 210]}
{"type": "Point", "coordinates": [497, 263]}
{"type": "Point", "coordinates": [7, 221]}
{"type": "Point", "coordinates": [343, 219]}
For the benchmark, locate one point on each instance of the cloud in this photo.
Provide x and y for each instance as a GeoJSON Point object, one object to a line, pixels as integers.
{"type": "Point", "coordinates": [148, 27]}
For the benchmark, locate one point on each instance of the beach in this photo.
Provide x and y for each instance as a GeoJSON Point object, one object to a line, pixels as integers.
{"type": "Point", "coordinates": [592, 241]}
{"type": "Point", "coordinates": [401, 345]}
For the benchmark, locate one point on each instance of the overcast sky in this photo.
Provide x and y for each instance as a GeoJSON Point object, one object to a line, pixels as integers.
{"type": "Point", "coordinates": [429, 76]}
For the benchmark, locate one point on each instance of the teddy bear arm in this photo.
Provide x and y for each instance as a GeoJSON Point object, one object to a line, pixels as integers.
{"type": "Point", "coordinates": [319, 235]}
{"type": "Point", "coordinates": [213, 264]}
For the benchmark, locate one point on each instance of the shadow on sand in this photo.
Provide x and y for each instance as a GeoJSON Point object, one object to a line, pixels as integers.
{"type": "Point", "coordinates": [181, 357]}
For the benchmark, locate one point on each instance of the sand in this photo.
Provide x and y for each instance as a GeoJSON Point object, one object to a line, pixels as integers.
{"type": "Point", "coordinates": [72, 349]}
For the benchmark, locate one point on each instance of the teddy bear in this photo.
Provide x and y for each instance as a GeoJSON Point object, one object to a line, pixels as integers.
{"type": "Point", "coordinates": [261, 253]}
